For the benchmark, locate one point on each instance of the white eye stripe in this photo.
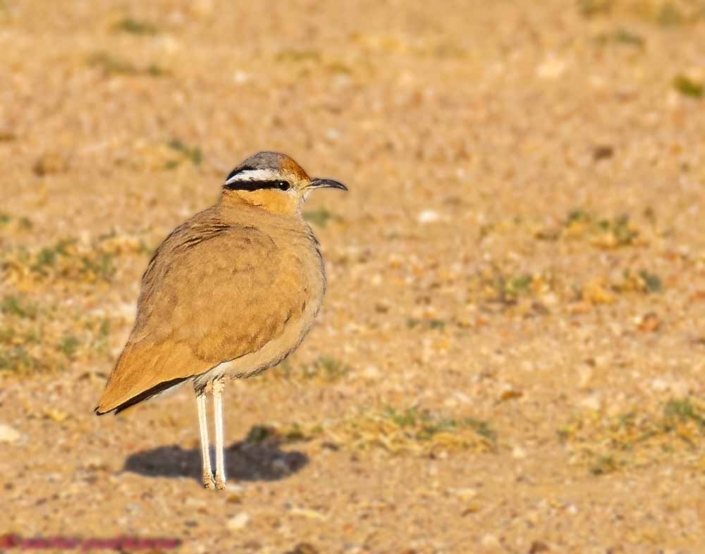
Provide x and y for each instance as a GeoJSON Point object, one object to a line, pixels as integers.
{"type": "Point", "coordinates": [254, 175]}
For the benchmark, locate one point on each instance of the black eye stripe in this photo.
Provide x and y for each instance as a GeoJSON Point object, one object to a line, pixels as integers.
{"type": "Point", "coordinates": [258, 185]}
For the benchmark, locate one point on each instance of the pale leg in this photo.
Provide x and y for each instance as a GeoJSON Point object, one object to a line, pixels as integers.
{"type": "Point", "coordinates": [218, 387]}
{"type": "Point", "coordinates": [205, 446]}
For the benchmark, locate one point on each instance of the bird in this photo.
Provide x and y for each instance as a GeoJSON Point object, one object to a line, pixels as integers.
{"type": "Point", "coordinates": [229, 293]}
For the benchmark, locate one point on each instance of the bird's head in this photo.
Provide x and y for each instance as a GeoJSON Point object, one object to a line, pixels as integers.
{"type": "Point", "coordinates": [274, 182]}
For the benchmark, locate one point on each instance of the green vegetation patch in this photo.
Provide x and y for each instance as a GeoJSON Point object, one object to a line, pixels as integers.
{"type": "Point", "coordinates": [48, 309]}
{"type": "Point", "coordinates": [638, 438]}
{"type": "Point", "coordinates": [38, 335]}
{"type": "Point", "coordinates": [321, 217]}
{"type": "Point", "coordinates": [433, 324]}
{"type": "Point", "coordinates": [666, 13]}
{"type": "Point", "coordinates": [192, 154]}
{"type": "Point", "coordinates": [134, 26]}
{"type": "Point", "coordinates": [405, 431]}
{"type": "Point", "coordinates": [689, 87]}
{"type": "Point", "coordinates": [112, 65]}
{"type": "Point", "coordinates": [66, 260]}
{"type": "Point", "coordinates": [413, 431]}
{"type": "Point", "coordinates": [324, 369]}
{"type": "Point", "coordinates": [605, 233]}
{"type": "Point", "coordinates": [621, 37]}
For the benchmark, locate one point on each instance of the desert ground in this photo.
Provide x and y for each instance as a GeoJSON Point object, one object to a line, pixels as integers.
{"type": "Point", "coordinates": [510, 356]}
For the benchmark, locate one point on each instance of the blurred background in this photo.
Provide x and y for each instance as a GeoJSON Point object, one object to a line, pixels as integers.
{"type": "Point", "coordinates": [510, 357]}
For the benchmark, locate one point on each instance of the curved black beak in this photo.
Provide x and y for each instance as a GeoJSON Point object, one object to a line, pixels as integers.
{"type": "Point", "coordinates": [327, 184]}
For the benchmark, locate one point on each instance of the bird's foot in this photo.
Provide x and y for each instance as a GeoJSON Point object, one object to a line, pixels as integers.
{"type": "Point", "coordinates": [208, 481]}
{"type": "Point", "coordinates": [220, 482]}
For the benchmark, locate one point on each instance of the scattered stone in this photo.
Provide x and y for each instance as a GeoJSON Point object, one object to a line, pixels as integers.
{"type": "Point", "coordinates": [597, 292]}
{"type": "Point", "coordinates": [649, 323]}
{"type": "Point", "coordinates": [490, 541]}
{"type": "Point", "coordinates": [8, 434]}
{"type": "Point", "coordinates": [465, 493]}
{"type": "Point", "coordinates": [303, 548]}
{"type": "Point", "coordinates": [50, 163]}
{"type": "Point", "coordinates": [429, 216]}
{"type": "Point", "coordinates": [372, 372]}
{"type": "Point", "coordinates": [518, 453]}
{"type": "Point", "coordinates": [510, 394]}
{"type": "Point", "coordinates": [56, 415]}
{"type": "Point", "coordinates": [238, 521]}
{"type": "Point", "coordinates": [308, 514]}
{"type": "Point", "coordinates": [602, 152]}
{"type": "Point", "coordinates": [592, 402]}
{"type": "Point", "coordinates": [551, 68]}
{"type": "Point", "coordinates": [537, 547]}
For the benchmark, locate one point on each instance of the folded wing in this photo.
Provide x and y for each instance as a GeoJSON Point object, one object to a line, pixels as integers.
{"type": "Point", "coordinates": [207, 297]}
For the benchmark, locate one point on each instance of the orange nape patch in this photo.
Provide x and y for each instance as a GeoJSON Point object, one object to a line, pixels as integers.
{"type": "Point", "coordinates": [290, 166]}
{"type": "Point", "coordinates": [273, 201]}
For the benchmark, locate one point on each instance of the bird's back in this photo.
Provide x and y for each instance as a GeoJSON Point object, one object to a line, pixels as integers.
{"type": "Point", "coordinates": [232, 290]}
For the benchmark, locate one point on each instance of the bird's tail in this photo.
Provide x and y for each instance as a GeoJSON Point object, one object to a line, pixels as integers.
{"type": "Point", "coordinates": [144, 370]}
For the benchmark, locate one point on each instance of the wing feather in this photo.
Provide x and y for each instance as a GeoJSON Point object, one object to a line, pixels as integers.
{"type": "Point", "coordinates": [209, 295]}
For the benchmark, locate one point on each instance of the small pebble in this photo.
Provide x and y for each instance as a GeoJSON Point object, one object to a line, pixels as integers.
{"type": "Point", "coordinates": [490, 541]}
{"type": "Point", "coordinates": [8, 434]}
{"type": "Point", "coordinates": [428, 216]}
{"type": "Point", "coordinates": [551, 68]}
{"type": "Point", "coordinates": [238, 521]}
{"type": "Point", "coordinates": [518, 453]}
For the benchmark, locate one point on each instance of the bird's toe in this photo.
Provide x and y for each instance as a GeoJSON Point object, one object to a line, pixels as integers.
{"type": "Point", "coordinates": [208, 481]}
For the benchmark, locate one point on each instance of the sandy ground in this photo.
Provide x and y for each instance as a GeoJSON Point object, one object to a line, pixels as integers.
{"type": "Point", "coordinates": [511, 352]}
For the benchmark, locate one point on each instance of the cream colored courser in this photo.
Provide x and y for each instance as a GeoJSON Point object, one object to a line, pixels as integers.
{"type": "Point", "coordinates": [229, 293]}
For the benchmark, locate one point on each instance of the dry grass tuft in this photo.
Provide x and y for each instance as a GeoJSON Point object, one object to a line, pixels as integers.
{"type": "Point", "coordinates": [411, 431]}
{"type": "Point", "coordinates": [38, 337]}
{"type": "Point", "coordinates": [324, 369]}
{"type": "Point", "coordinates": [321, 217]}
{"type": "Point", "coordinates": [635, 439]}
{"type": "Point", "coordinates": [67, 261]}
{"type": "Point", "coordinates": [134, 26]}
{"type": "Point", "coordinates": [112, 65]}
{"type": "Point", "coordinates": [661, 12]}
{"type": "Point", "coordinates": [49, 314]}
{"type": "Point", "coordinates": [603, 233]}
{"type": "Point", "coordinates": [408, 431]}
{"type": "Point", "coordinates": [688, 86]}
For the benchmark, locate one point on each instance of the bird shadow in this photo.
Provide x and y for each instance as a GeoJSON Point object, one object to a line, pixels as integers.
{"type": "Point", "coordinates": [244, 461]}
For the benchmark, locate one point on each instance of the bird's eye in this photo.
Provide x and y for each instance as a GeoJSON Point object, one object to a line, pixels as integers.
{"type": "Point", "coordinates": [283, 185]}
